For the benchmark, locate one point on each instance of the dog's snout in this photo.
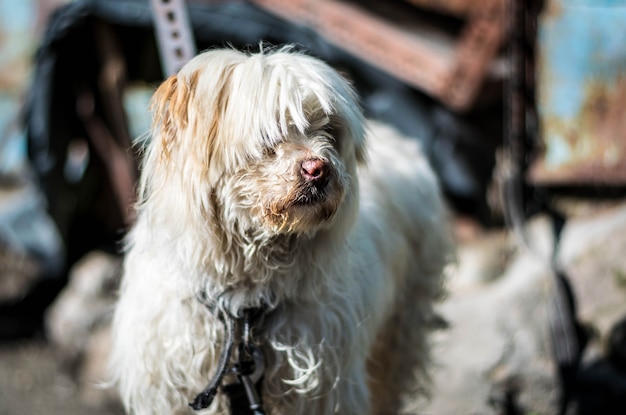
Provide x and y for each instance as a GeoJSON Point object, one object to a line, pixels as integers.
{"type": "Point", "coordinates": [314, 170]}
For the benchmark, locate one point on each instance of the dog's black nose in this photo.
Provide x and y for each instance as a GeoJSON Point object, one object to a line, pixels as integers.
{"type": "Point", "coordinates": [314, 170]}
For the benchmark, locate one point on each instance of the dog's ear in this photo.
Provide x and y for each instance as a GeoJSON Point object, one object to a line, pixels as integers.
{"type": "Point", "coordinates": [351, 117]}
{"type": "Point", "coordinates": [187, 112]}
{"type": "Point", "coordinates": [169, 105]}
{"type": "Point", "coordinates": [361, 149]}
{"type": "Point", "coordinates": [354, 127]}
{"type": "Point", "coordinates": [352, 121]}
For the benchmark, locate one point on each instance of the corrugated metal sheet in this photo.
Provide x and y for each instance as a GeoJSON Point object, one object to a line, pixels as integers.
{"type": "Point", "coordinates": [582, 93]}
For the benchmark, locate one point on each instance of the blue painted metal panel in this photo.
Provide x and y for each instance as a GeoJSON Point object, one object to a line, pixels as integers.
{"type": "Point", "coordinates": [17, 47]}
{"type": "Point", "coordinates": [582, 92]}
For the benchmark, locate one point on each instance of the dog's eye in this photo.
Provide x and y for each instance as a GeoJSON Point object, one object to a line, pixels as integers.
{"type": "Point", "coordinates": [269, 151]}
{"type": "Point", "coordinates": [329, 135]}
{"type": "Point", "coordinates": [329, 132]}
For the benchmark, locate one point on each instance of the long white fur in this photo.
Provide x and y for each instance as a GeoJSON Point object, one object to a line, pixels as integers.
{"type": "Point", "coordinates": [351, 282]}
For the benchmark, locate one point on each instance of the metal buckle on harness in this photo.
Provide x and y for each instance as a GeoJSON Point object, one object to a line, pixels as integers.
{"type": "Point", "coordinates": [249, 371]}
{"type": "Point", "coordinates": [244, 394]}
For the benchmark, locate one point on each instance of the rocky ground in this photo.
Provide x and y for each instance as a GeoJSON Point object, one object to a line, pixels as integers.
{"type": "Point", "coordinates": [495, 358]}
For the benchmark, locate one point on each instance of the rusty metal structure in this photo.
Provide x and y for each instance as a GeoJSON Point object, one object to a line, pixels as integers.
{"type": "Point", "coordinates": [174, 35]}
{"type": "Point", "coordinates": [450, 66]}
{"type": "Point", "coordinates": [581, 73]}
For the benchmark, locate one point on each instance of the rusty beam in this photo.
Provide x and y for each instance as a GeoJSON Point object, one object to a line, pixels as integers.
{"type": "Point", "coordinates": [454, 7]}
{"type": "Point", "coordinates": [476, 49]}
{"type": "Point", "coordinates": [452, 72]}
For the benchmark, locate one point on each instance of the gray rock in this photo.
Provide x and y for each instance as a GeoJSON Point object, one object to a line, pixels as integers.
{"type": "Point", "coordinates": [78, 324]}
{"type": "Point", "coordinates": [497, 353]}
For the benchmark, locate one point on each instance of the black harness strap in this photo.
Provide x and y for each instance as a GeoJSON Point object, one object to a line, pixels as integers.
{"type": "Point", "coordinates": [205, 398]}
{"type": "Point", "coordinates": [249, 369]}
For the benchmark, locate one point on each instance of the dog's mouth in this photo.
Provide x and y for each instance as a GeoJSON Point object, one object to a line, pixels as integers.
{"type": "Point", "coordinates": [316, 202]}
{"type": "Point", "coordinates": [309, 205]}
{"type": "Point", "coordinates": [310, 194]}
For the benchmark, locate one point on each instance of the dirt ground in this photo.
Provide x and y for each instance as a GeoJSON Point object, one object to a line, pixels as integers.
{"type": "Point", "coordinates": [33, 380]}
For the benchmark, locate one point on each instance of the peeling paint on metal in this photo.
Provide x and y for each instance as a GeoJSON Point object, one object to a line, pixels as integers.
{"type": "Point", "coordinates": [17, 43]}
{"type": "Point", "coordinates": [582, 93]}
{"type": "Point", "coordinates": [17, 48]}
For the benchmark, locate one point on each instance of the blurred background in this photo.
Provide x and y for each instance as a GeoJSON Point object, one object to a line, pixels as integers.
{"type": "Point", "coordinates": [518, 105]}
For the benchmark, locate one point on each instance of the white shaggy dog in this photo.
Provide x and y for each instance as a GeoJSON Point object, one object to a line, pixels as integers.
{"type": "Point", "coordinates": [255, 195]}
